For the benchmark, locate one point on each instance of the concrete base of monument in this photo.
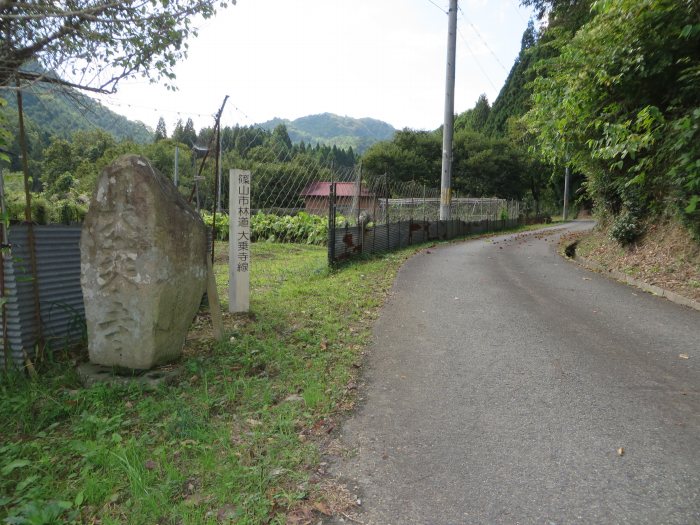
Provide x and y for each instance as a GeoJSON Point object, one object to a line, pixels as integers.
{"type": "Point", "coordinates": [91, 374]}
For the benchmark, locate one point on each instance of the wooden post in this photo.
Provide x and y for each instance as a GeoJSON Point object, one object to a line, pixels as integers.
{"type": "Point", "coordinates": [31, 239]}
{"type": "Point", "coordinates": [214, 304]}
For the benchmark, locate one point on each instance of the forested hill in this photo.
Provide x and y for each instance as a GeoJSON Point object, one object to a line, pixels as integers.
{"type": "Point", "coordinates": [61, 114]}
{"type": "Point", "coordinates": [334, 130]}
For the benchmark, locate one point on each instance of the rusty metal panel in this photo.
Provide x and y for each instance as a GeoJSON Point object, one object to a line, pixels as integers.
{"type": "Point", "coordinates": [60, 294]}
{"type": "Point", "coordinates": [349, 240]}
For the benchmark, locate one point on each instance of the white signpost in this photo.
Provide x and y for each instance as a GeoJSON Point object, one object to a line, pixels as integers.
{"type": "Point", "coordinates": [239, 241]}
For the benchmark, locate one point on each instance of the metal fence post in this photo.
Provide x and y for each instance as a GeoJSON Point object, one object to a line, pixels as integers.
{"type": "Point", "coordinates": [360, 226]}
{"type": "Point", "coordinates": [388, 222]}
{"type": "Point", "coordinates": [331, 224]}
{"type": "Point", "coordinates": [410, 221]}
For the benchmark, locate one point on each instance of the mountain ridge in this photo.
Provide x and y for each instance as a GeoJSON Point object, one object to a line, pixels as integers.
{"type": "Point", "coordinates": [63, 112]}
{"type": "Point", "coordinates": [334, 130]}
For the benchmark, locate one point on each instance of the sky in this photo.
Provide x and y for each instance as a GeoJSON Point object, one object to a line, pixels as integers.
{"type": "Point", "coordinates": [383, 59]}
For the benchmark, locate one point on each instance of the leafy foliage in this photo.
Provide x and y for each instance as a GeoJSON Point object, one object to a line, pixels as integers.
{"type": "Point", "coordinates": [409, 156]}
{"type": "Point", "coordinates": [100, 40]}
{"type": "Point", "coordinates": [301, 228]}
{"type": "Point", "coordinates": [4, 134]}
{"type": "Point", "coordinates": [513, 101]}
{"type": "Point", "coordinates": [482, 165]}
{"type": "Point", "coordinates": [474, 119]}
{"type": "Point", "coordinates": [620, 101]}
{"type": "Point", "coordinates": [222, 224]}
{"type": "Point", "coordinates": [54, 116]}
{"type": "Point", "coordinates": [626, 228]}
{"type": "Point", "coordinates": [161, 132]}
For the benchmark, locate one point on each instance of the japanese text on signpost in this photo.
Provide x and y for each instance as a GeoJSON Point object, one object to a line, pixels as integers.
{"type": "Point", "coordinates": [239, 241]}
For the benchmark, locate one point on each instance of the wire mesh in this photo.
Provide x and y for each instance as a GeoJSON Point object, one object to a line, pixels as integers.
{"type": "Point", "coordinates": [375, 214]}
{"type": "Point", "coordinates": [321, 195]}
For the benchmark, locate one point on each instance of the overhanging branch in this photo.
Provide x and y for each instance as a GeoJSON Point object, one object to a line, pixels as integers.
{"type": "Point", "coordinates": [35, 77]}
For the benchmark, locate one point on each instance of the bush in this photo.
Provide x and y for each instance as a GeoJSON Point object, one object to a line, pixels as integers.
{"type": "Point", "coordinates": [626, 228]}
{"type": "Point", "coordinates": [47, 210]}
{"type": "Point", "coordinates": [222, 224]}
{"type": "Point", "coordinates": [301, 228]}
{"type": "Point", "coordinates": [67, 211]}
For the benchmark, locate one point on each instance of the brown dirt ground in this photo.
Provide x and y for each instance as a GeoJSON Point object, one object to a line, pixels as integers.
{"type": "Point", "coordinates": [666, 256]}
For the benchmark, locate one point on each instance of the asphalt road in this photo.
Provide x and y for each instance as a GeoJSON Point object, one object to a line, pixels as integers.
{"type": "Point", "coordinates": [501, 383]}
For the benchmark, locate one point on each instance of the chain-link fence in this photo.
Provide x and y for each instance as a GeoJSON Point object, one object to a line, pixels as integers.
{"type": "Point", "coordinates": [372, 214]}
{"type": "Point", "coordinates": [321, 195]}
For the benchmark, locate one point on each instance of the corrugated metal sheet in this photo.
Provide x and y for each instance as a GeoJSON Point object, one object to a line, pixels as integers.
{"type": "Point", "coordinates": [60, 294]}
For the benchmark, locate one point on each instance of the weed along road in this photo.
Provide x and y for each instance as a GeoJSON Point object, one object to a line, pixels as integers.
{"type": "Point", "coordinates": [508, 385]}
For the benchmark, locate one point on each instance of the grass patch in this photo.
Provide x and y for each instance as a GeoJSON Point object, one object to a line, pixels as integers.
{"type": "Point", "coordinates": [235, 439]}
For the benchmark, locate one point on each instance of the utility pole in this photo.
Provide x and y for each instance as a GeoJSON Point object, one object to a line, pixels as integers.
{"type": "Point", "coordinates": [448, 127]}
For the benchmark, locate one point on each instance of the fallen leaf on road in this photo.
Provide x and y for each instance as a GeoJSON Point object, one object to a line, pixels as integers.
{"type": "Point", "coordinates": [586, 278]}
{"type": "Point", "coordinates": [301, 516]}
{"type": "Point", "coordinates": [322, 508]}
{"type": "Point", "coordinates": [620, 451]}
{"type": "Point", "coordinates": [684, 356]}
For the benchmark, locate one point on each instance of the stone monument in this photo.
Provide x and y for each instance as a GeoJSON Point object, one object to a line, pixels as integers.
{"type": "Point", "coordinates": [143, 258]}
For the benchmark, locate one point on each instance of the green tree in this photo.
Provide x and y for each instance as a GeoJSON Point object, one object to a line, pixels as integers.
{"type": "Point", "coordinates": [280, 138]}
{"type": "Point", "coordinates": [474, 119]}
{"type": "Point", "coordinates": [514, 98]}
{"type": "Point", "coordinates": [410, 156]}
{"type": "Point", "coordinates": [161, 132]}
{"type": "Point", "coordinates": [561, 13]}
{"type": "Point", "coordinates": [189, 135]}
{"type": "Point", "coordinates": [4, 135]}
{"type": "Point", "coordinates": [178, 132]}
{"type": "Point", "coordinates": [58, 159]}
{"type": "Point", "coordinates": [481, 113]}
{"type": "Point", "coordinates": [620, 102]}
{"type": "Point", "coordinates": [485, 166]}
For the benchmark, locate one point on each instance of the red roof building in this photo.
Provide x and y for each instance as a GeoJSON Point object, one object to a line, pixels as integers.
{"type": "Point", "coordinates": [316, 197]}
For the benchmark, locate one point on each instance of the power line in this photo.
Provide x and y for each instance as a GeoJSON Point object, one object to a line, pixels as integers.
{"type": "Point", "coordinates": [471, 52]}
{"type": "Point", "coordinates": [483, 40]}
{"type": "Point", "coordinates": [119, 104]}
{"type": "Point", "coordinates": [512, 3]}
{"type": "Point", "coordinates": [440, 8]}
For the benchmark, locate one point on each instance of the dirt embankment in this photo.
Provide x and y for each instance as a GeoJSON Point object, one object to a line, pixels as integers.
{"type": "Point", "coordinates": [666, 256]}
